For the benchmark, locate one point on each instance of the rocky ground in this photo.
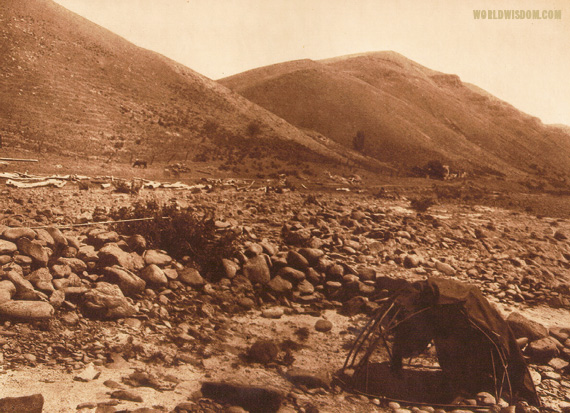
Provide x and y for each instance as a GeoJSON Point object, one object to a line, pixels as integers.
{"type": "Point", "coordinates": [97, 321]}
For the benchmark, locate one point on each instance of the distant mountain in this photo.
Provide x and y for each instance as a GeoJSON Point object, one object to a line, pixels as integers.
{"type": "Point", "coordinates": [69, 86]}
{"type": "Point", "coordinates": [407, 113]}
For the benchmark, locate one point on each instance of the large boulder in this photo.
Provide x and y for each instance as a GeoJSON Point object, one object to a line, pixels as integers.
{"type": "Point", "coordinates": [58, 237]}
{"type": "Point", "coordinates": [560, 333]}
{"type": "Point", "coordinates": [354, 306]}
{"type": "Point", "coordinates": [305, 287]}
{"type": "Point", "coordinates": [7, 247]}
{"type": "Point", "coordinates": [41, 279]}
{"type": "Point", "coordinates": [154, 275]}
{"type": "Point", "coordinates": [323, 326]}
{"type": "Point", "coordinates": [73, 242]}
{"type": "Point", "coordinates": [22, 285]}
{"type": "Point", "coordinates": [444, 268]}
{"type": "Point", "coordinates": [106, 301]}
{"type": "Point", "coordinates": [76, 265]}
{"type": "Point", "coordinates": [297, 261]}
{"type": "Point", "coordinates": [335, 272]}
{"type": "Point", "coordinates": [230, 268]}
{"type": "Point", "coordinates": [367, 274]}
{"type": "Point", "coordinates": [137, 243]}
{"type": "Point", "coordinates": [412, 261]}
{"type": "Point", "coordinates": [485, 399]}
{"type": "Point", "coordinates": [308, 378]}
{"type": "Point", "coordinates": [296, 237]}
{"type": "Point", "coordinates": [100, 238]}
{"type": "Point", "coordinates": [191, 276]}
{"type": "Point", "coordinates": [312, 254]}
{"type": "Point", "coordinates": [257, 270]}
{"type": "Point", "coordinates": [253, 249]}
{"type": "Point", "coordinates": [111, 254]}
{"type": "Point", "coordinates": [523, 327]}
{"type": "Point", "coordinates": [23, 404]}
{"type": "Point", "coordinates": [268, 247]}
{"type": "Point", "coordinates": [45, 237]}
{"type": "Point", "coordinates": [279, 285]}
{"type": "Point", "coordinates": [129, 283]}
{"type": "Point", "coordinates": [291, 274]}
{"type": "Point", "coordinates": [544, 349]}
{"type": "Point", "coordinates": [263, 351]}
{"type": "Point", "coordinates": [61, 271]}
{"type": "Point", "coordinates": [560, 235]}
{"type": "Point", "coordinates": [13, 234]}
{"type": "Point", "coordinates": [57, 298]}
{"type": "Point", "coordinates": [26, 310]}
{"type": "Point", "coordinates": [156, 257]}
{"type": "Point", "coordinates": [35, 250]}
{"type": "Point", "coordinates": [87, 253]}
{"type": "Point", "coordinates": [7, 290]}
{"type": "Point", "coordinates": [314, 277]}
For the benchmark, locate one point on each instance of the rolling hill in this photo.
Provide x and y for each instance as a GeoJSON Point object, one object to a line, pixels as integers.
{"type": "Point", "coordinates": [71, 87]}
{"type": "Point", "coordinates": [409, 114]}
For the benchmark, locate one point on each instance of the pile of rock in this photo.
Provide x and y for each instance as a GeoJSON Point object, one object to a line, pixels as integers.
{"type": "Point", "coordinates": [100, 273]}
{"type": "Point", "coordinates": [304, 275]}
{"type": "Point", "coordinates": [341, 255]}
{"type": "Point", "coordinates": [395, 243]}
{"type": "Point", "coordinates": [549, 352]}
{"type": "Point", "coordinates": [108, 276]}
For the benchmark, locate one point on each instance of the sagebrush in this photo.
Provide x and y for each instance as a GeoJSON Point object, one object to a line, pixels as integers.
{"type": "Point", "coordinates": [182, 232]}
{"type": "Point", "coordinates": [422, 204]}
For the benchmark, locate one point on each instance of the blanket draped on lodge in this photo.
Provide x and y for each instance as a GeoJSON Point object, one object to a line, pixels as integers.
{"type": "Point", "coordinates": [475, 346]}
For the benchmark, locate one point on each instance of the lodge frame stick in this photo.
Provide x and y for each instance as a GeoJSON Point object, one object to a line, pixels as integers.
{"type": "Point", "coordinates": [505, 365]}
{"type": "Point", "coordinates": [363, 336]}
{"type": "Point", "coordinates": [412, 403]}
{"type": "Point", "coordinates": [374, 345]}
{"type": "Point", "coordinates": [86, 224]}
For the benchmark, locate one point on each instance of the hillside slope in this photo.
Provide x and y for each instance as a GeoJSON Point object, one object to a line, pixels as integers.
{"type": "Point", "coordinates": [409, 114]}
{"type": "Point", "coordinates": [69, 86]}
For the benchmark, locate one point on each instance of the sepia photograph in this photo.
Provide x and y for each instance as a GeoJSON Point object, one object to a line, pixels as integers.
{"type": "Point", "coordinates": [284, 206]}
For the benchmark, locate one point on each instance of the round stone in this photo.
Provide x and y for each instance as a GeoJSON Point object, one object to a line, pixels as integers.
{"type": "Point", "coordinates": [323, 325]}
{"type": "Point", "coordinates": [275, 312]}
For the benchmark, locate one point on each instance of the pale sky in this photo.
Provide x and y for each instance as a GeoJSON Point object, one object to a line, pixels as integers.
{"type": "Point", "coordinates": [525, 62]}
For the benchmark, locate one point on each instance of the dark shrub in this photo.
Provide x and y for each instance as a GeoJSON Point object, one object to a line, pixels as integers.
{"type": "Point", "coordinates": [253, 129]}
{"type": "Point", "coordinates": [448, 192]}
{"type": "Point", "coordinates": [358, 141]}
{"type": "Point", "coordinates": [435, 169]}
{"type": "Point", "coordinates": [422, 204]}
{"type": "Point", "coordinates": [180, 232]}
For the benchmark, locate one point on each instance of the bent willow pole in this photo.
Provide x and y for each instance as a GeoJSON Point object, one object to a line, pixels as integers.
{"type": "Point", "coordinates": [388, 317]}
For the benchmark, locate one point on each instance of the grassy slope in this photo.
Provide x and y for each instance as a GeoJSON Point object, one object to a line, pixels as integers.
{"type": "Point", "coordinates": [69, 86]}
{"type": "Point", "coordinates": [409, 113]}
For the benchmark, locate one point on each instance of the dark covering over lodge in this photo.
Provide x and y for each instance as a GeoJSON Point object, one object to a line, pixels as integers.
{"type": "Point", "coordinates": [476, 348]}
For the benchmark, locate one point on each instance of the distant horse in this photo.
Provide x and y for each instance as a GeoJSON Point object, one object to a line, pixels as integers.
{"type": "Point", "coordinates": [140, 163]}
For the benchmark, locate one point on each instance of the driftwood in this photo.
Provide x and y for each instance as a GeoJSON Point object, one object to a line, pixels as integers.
{"type": "Point", "coordinates": [18, 160]}
{"type": "Point", "coordinates": [48, 182]}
